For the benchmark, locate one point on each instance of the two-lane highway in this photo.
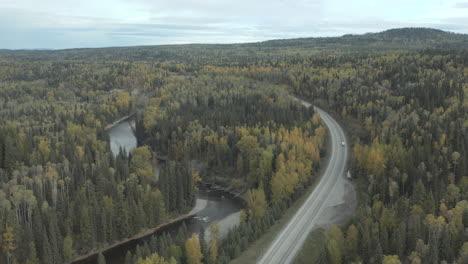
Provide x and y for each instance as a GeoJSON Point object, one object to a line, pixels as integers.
{"type": "Point", "coordinates": [288, 243]}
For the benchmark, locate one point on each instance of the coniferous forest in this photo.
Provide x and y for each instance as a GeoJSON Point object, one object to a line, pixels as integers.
{"type": "Point", "coordinates": [224, 114]}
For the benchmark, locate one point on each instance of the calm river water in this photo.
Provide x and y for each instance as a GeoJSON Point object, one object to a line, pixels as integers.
{"type": "Point", "coordinates": [211, 207]}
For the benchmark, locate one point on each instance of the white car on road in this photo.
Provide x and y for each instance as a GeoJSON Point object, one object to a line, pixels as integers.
{"type": "Point", "coordinates": [342, 143]}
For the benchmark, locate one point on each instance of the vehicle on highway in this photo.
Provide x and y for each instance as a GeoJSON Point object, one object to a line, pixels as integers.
{"type": "Point", "coordinates": [342, 143]}
{"type": "Point", "coordinates": [291, 238]}
{"type": "Point", "coordinates": [348, 175]}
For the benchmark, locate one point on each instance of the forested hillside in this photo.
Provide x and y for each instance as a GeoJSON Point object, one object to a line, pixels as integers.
{"type": "Point", "coordinates": [223, 114]}
{"type": "Point", "coordinates": [390, 41]}
{"type": "Point", "coordinates": [64, 192]}
{"type": "Point", "coordinates": [409, 154]}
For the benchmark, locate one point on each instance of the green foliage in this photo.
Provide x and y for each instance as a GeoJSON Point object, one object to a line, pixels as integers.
{"type": "Point", "coordinates": [410, 110]}
{"type": "Point", "coordinates": [222, 112]}
{"type": "Point", "coordinates": [256, 203]}
{"type": "Point", "coordinates": [155, 259]}
{"type": "Point", "coordinates": [141, 164]}
{"type": "Point", "coordinates": [69, 196]}
{"type": "Point", "coordinates": [390, 41]}
{"type": "Point", "coordinates": [393, 259]}
{"type": "Point", "coordinates": [314, 250]}
{"type": "Point", "coordinates": [68, 248]}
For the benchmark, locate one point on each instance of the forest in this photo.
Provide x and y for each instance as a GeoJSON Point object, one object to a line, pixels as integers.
{"type": "Point", "coordinates": [223, 114]}
{"type": "Point", "coordinates": [409, 155]}
{"type": "Point", "coordinates": [63, 190]}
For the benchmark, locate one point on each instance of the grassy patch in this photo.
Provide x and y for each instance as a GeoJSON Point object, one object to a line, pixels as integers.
{"type": "Point", "coordinates": [313, 250]}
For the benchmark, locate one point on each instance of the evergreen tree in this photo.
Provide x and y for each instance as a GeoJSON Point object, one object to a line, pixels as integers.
{"type": "Point", "coordinates": [128, 258]}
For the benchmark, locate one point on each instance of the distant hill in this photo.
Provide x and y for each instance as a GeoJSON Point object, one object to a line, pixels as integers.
{"type": "Point", "coordinates": [393, 40]}
{"type": "Point", "coordinates": [413, 34]}
{"type": "Point", "coordinates": [424, 37]}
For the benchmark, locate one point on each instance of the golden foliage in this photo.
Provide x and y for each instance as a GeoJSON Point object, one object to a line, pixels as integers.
{"type": "Point", "coordinates": [193, 250]}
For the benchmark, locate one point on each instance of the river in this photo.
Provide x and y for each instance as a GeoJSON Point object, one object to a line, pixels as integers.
{"type": "Point", "coordinates": [121, 136]}
{"type": "Point", "coordinates": [210, 206]}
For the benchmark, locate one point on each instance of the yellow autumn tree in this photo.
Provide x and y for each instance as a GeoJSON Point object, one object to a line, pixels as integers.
{"type": "Point", "coordinates": [256, 203]}
{"type": "Point", "coordinates": [214, 232]}
{"type": "Point", "coordinates": [213, 250]}
{"type": "Point", "coordinates": [43, 149]}
{"type": "Point", "coordinates": [391, 259]}
{"type": "Point", "coordinates": [141, 163]}
{"type": "Point", "coordinates": [156, 259]}
{"type": "Point", "coordinates": [122, 100]}
{"type": "Point", "coordinates": [8, 243]}
{"type": "Point", "coordinates": [193, 250]}
{"type": "Point", "coordinates": [376, 159]}
{"type": "Point", "coordinates": [153, 113]}
{"type": "Point", "coordinates": [196, 177]}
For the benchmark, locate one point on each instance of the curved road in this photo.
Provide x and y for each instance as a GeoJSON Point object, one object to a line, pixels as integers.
{"type": "Point", "coordinates": [288, 243]}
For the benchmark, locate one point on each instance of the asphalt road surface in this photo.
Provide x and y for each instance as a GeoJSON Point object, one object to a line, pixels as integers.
{"type": "Point", "coordinates": [288, 243]}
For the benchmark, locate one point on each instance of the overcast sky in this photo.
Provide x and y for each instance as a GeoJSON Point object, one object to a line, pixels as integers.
{"type": "Point", "coordinates": [58, 24]}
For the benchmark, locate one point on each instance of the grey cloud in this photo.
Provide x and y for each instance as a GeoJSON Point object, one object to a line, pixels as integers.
{"type": "Point", "coordinates": [461, 5]}
{"type": "Point", "coordinates": [184, 21]}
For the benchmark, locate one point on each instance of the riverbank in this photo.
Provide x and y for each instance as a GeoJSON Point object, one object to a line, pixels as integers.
{"type": "Point", "coordinates": [211, 206]}
{"type": "Point", "coordinates": [120, 120]}
{"type": "Point", "coordinates": [199, 206]}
